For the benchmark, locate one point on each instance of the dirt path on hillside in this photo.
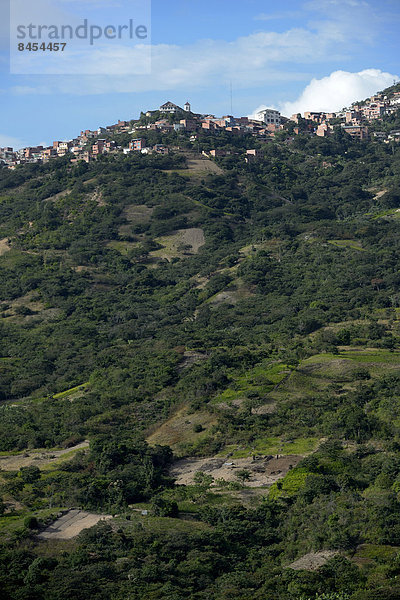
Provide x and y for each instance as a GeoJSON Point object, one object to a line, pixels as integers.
{"type": "Point", "coordinates": [37, 457]}
{"type": "Point", "coordinates": [71, 524]}
{"type": "Point", "coordinates": [263, 471]}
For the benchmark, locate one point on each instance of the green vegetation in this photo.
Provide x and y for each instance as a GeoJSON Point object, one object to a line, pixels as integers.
{"type": "Point", "coordinates": [71, 392]}
{"type": "Point", "coordinates": [354, 244]}
{"type": "Point", "coordinates": [273, 445]}
{"type": "Point", "coordinates": [290, 486]}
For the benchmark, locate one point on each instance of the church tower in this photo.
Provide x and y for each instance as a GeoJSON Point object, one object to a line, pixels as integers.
{"type": "Point", "coordinates": [187, 107]}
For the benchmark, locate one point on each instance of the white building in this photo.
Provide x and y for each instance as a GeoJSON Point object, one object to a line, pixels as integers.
{"type": "Point", "coordinates": [269, 116]}
{"type": "Point", "coordinates": [170, 107]}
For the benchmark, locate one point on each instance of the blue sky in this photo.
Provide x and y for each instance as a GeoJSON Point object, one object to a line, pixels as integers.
{"type": "Point", "coordinates": [292, 55]}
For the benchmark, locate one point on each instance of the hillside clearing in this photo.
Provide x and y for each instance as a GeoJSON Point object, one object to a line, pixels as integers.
{"type": "Point", "coordinates": [39, 457]}
{"type": "Point", "coordinates": [179, 429]}
{"type": "Point", "coordinates": [179, 244]}
{"type": "Point", "coordinates": [71, 524]}
{"type": "Point", "coordinates": [203, 165]}
{"type": "Point", "coordinates": [4, 246]}
{"type": "Point", "coordinates": [317, 373]}
{"type": "Point", "coordinates": [313, 560]}
{"type": "Point", "coordinates": [263, 471]}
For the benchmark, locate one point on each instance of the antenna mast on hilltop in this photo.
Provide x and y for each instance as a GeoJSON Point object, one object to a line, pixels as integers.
{"type": "Point", "coordinates": [231, 99]}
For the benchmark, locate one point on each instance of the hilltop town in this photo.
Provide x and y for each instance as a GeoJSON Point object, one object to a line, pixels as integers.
{"type": "Point", "coordinates": [355, 121]}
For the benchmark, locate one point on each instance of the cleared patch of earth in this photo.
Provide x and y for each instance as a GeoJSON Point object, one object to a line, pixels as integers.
{"type": "Point", "coordinates": [378, 194]}
{"type": "Point", "coordinates": [4, 246]}
{"type": "Point", "coordinates": [180, 243]}
{"type": "Point", "coordinates": [28, 300]}
{"type": "Point", "coordinates": [71, 524]}
{"type": "Point", "coordinates": [179, 429]}
{"type": "Point", "coordinates": [263, 471]}
{"type": "Point", "coordinates": [29, 308]}
{"type": "Point", "coordinates": [38, 457]}
{"type": "Point", "coordinates": [203, 165]}
{"type": "Point", "coordinates": [201, 282]}
{"type": "Point", "coordinates": [97, 196]}
{"type": "Point", "coordinates": [312, 561]}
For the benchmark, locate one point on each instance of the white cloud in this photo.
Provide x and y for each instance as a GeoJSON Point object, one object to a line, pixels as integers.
{"type": "Point", "coordinates": [9, 141]}
{"type": "Point", "coordinates": [247, 61]}
{"type": "Point", "coordinates": [282, 15]}
{"type": "Point", "coordinates": [338, 90]}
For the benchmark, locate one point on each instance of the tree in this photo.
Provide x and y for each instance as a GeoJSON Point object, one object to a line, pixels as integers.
{"type": "Point", "coordinates": [243, 475]}
{"type": "Point", "coordinates": [163, 507]}
{"type": "Point", "coordinates": [29, 474]}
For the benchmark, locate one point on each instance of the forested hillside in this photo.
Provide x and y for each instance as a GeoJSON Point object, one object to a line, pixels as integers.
{"type": "Point", "coordinates": [209, 353]}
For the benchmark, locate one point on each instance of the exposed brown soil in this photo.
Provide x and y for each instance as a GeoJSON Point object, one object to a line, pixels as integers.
{"type": "Point", "coordinates": [70, 524]}
{"type": "Point", "coordinates": [175, 243]}
{"type": "Point", "coordinates": [263, 471]}
{"type": "Point", "coordinates": [193, 237]}
{"type": "Point", "coordinates": [203, 165]}
{"type": "Point", "coordinates": [312, 561]}
{"type": "Point", "coordinates": [4, 246]}
{"type": "Point", "coordinates": [37, 457]}
{"type": "Point", "coordinates": [179, 428]}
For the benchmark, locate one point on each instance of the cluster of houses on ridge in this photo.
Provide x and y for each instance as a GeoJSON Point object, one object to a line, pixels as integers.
{"type": "Point", "coordinates": [354, 120]}
{"type": "Point", "coordinates": [90, 144]}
